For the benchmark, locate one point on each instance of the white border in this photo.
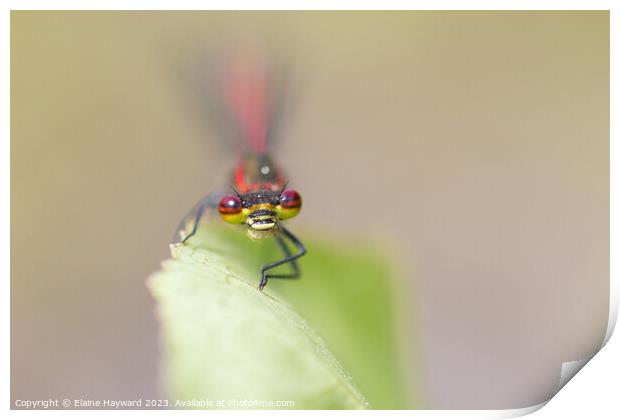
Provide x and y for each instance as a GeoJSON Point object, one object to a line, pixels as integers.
{"type": "Point", "coordinates": [310, 5]}
{"type": "Point", "coordinates": [593, 392]}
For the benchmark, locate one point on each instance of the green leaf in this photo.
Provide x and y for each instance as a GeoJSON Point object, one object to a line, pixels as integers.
{"type": "Point", "coordinates": [226, 341]}
{"type": "Point", "coordinates": [347, 294]}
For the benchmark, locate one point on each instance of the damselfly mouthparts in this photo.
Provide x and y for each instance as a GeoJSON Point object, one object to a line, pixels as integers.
{"type": "Point", "coordinates": [258, 198]}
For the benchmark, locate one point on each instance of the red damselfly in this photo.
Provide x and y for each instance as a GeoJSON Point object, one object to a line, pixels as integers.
{"type": "Point", "coordinates": [259, 198]}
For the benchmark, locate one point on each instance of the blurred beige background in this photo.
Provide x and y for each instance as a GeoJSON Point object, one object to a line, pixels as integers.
{"type": "Point", "coordinates": [477, 142]}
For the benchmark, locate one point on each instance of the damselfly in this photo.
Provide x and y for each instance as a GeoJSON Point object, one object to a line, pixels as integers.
{"type": "Point", "coordinates": [259, 198]}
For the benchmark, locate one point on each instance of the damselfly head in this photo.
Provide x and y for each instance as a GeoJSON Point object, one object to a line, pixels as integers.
{"type": "Point", "coordinates": [260, 210]}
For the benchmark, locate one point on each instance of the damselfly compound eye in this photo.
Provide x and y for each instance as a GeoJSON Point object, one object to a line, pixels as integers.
{"type": "Point", "coordinates": [290, 204]}
{"type": "Point", "coordinates": [231, 209]}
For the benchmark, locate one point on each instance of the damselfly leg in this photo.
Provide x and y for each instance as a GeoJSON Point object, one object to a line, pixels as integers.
{"type": "Point", "coordinates": [211, 201]}
{"type": "Point", "coordinates": [293, 263]}
{"type": "Point", "coordinates": [289, 258]}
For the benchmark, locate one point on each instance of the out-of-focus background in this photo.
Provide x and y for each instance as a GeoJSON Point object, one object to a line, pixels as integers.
{"type": "Point", "coordinates": [476, 142]}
